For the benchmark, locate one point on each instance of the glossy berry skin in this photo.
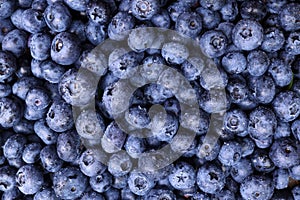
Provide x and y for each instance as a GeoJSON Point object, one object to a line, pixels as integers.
{"type": "Point", "coordinates": [29, 179]}
{"type": "Point", "coordinates": [49, 159]}
{"type": "Point", "coordinates": [139, 183]}
{"type": "Point", "coordinates": [68, 146]}
{"type": "Point", "coordinates": [119, 26]}
{"type": "Point", "coordinates": [286, 106]}
{"type": "Point", "coordinates": [12, 194]}
{"type": "Point", "coordinates": [47, 135]}
{"type": "Point", "coordinates": [213, 5]}
{"type": "Point", "coordinates": [46, 193]}
{"type": "Point", "coordinates": [230, 10]}
{"type": "Point", "coordinates": [98, 12]}
{"type": "Point", "coordinates": [210, 19]}
{"type": "Point", "coordinates": [7, 8]}
{"type": "Point", "coordinates": [289, 17]}
{"type": "Point", "coordinates": [234, 62]}
{"type": "Point", "coordinates": [292, 45]}
{"type": "Point", "coordinates": [31, 152]}
{"type": "Point", "coordinates": [15, 42]}
{"type": "Point", "coordinates": [135, 146]}
{"type": "Point", "coordinates": [77, 5]}
{"type": "Point", "coordinates": [10, 112]}
{"type": "Point", "coordinates": [273, 39]}
{"type": "Point", "coordinates": [230, 153]}
{"type": "Point", "coordinates": [189, 24]}
{"type": "Point", "coordinates": [236, 122]}
{"type": "Point", "coordinates": [51, 71]}
{"type": "Point", "coordinates": [241, 170]}
{"type": "Point", "coordinates": [113, 138]}
{"type": "Point", "coordinates": [23, 85]}
{"type": "Point", "coordinates": [257, 62]}
{"type": "Point", "coordinates": [33, 21]}
{"type": "Point", "coordinates": [69, 183]}
{"type": "Point", "coordinates": [165, 194]}
{"type": "Point", "coordinates": [144, 9]}
{"type": "Point", "coordinates": [95, 33]}
{"type": "Point", "coordinates": [176, 8]}
{"type": "Point", "coordinates": [37, 98]}
{"type": "Point", "coordinates": [7, 178]}
{"type": "Point", "coordinates": [39, 45]}
{"type": "Point", "coordinates": [262, 162]}
{"type": "Point", "coordinates": [281, 178]}
{"type": "Point", "coordinates": [182, 176]}
{"type": "Point", "coordinates": [90, 165]}
{"type": "Point", "coordinates": [263, 88]}
{"type": "Point", "coordinates": [101, 182]}
{"type": "Point", "coordinates": [257, 187]}
{"type": "Point", "coordinates": [253, 10]}
{"type": "Point", "coordinates": [165, 129]}
{"type": "Point", "coordinates": [5, 90]}
{"type": "Point", "coordinates": [247, 34]}
{"type": "Point", "coordinates": [57, 17]}
{"type": "Point", "coordinates": [65, 48]}
{"type": "Point", "coordinates": [280, 72]}
{"type": "Point", "coordinates": [213, 43]}
{"type": "Point", "coordinates": [8, 65]}
{"type": "Point", "coordinates": [161, 19]}
{"type": "Point", "coordinates": [5, 26]}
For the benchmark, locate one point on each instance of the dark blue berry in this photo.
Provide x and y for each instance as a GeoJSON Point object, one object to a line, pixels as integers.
{"type": "Point", "coordinates": [33, 21]}
{"type": "Point", "coordinates": [98, 12]}
{"type": "Point", "coordinates": [47, 135]}
{"type": "Point", "coordinates": [210, 19]}
{"type": "Point", "coordinates": [90, 165]}
{"type": "Point", "coordinates": [161, 19]}
{"type": "Point", "coordinates": [289, 16]}
{"type": "Point", "coordinates": [139, 183]}
{"type": "Point", "coordinates": [113, 138]}
{"type": "Point", "coordinates": [253, 10]}
{"type": "Point", "coordinates": [47, 193]}
{"type": "Point", "coordinates": [119, 26]}
{"type": "Point", "coordinates": [230, 153]}
{"type": "Point", "coordinates": [234, 62]}
{"type": "Point", "coordinates": [257, 62]}
{"type": "Point", "coordinates": [37, 98]}
{"type": "Point", "coordinates": [189, 24]}
{"type": "Point", "coordinates": [7, 7]}
{"type": "Point", "coordinates": [101, 182]}
{"type": "Point", "coordinates": [280, 72]}
{"type": "Point", "coordinates": [95, 33]}
{"type": "Point", "coordinates": [8, 65]}
{"type": "Point", "coordinates": [213, 43]}
{"type": "Point", "coordinates": [230, 10]}
{"type": "Point", "coordinates": [39, 45]}
{"type": "Point", "coordinates": [10, 112]}
{"type": "Point", "coordinates": [15, 42]}
{"type": "Point", "coordinates": [49, 159]}
{"type": "Point", "coordinates": [31, 152]}
{"type": "Point", "coordinates": [5, 27]}
{"type": "Point", "coordinates": [78, 5]}
{"type": "Point", "coordinates": [68, 146]}
{"type": "Point", "coordinates": [7, 178]}
{"type": "Point", "coordinates": [281, 178]}
{"type": "Point", "coordinates": [144, 9]}
{"type": "Point", "coordinates": [241, 170]}
{"type": "Point", "coordinates": [273, 39]}
{"type": "Point", "coordinates": [262, 162]}
{"type": "Point", "coordinates": [262, 88]}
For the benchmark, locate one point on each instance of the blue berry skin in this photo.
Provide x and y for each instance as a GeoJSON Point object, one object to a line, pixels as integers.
{"type": "Point", "coordinates": [234, 62]}
{"type": "Point", "coordinates": [262, 123]}
{"type": "Point", "coordinates": [296, 71]}
{"type": "Point", "coordinates": [120, 182]}
{"type": "Point", "coordinates": [253, 10]}
{"type": "Point", "coordinates": [29, 179]}
{"type": "Point", "coordinates": [68, 146]}
{"type": "Point", "coordinates": [23, 85]}
{"type": "Point", "coordinates": [15, 42]}
{"type": "Point", "coordinates": [294, 172]}
{"type": "Point", "coordinates": [226, 28]}
{"type": "Point", "coordinates": [39, 45]}
{"type": "Point", "coordinates": [296, 192]}
{"type": "Point", "coordinates": [78, 5]}
{"type": "Point", "coordinates": [37, 98]}
{"type": "Point", "coordinates": [59, 116]}
{"type": "Point", "coordinates": [210, 178]}
{"type": "Point", "coordinates": [235, 122]}
{"type": "Point", "coordinates": [101, 182]}
{"type": "Point", "coordinates": [189, 24]}
{"type": "Point", "coordinates": [65, 48]}
{"type": "Point", "coordinates": [174, 52]}
{"type": "Point", "coordinates": [289, 17]}
{"type": "Point", "coordinates": [139, 183]}
{"type": "Point", "coordinates": [281, 178]}
{"type": "Point", "coordinates": [262, 162]}
{"type": "Point", "coordinates": [293, 43]}
{"type": "Point", "coordinates": [257, 62]}
{"type": "Point", "coordinates": [33, 114]}
{"type": "Point", "coordinates": [263, 88]}
{"type": "Point", "coordinates": [210, 19]}
{"type": "Point", "coordinates": [90, 165]}
{"type": "Point", "coordinates": [5, 90]}
{"type": "Point", "coordinates": [46, 193]}
{"type": "Point", "coordinates": [213, 43]}
{"type": "Point", "coordinates": [165, 194]}
{"type": "Point", "coordinates": [7, 178]}
{"type": "Point", "coordinates": [144, 9]}
{"type": "Point", "coordinates": [241, 170]}
{"type": "Point", "coordinates": [57, 16]}
{"type": "Point", "coordinates": [47, 135]}
{"type": "Point", "coordinates": [286, 106]}
{"type": "Point", "coordinates": [49, 159]}
{"type": "Point", "coordinates": [24, 3]}
{"type": "Point", "coordinates": [247, 34]}
{"type": "Point", "coordinates": [225, 194]}
{"type": "Point", "coordinates": [212, 5]}
{"type": "Point", "coordinates": [138, 117]}
{"type": "Point", "coordinates": [285, 153]}
{"type": "Point", "coordinates": [295, 128]}
{"type": "Point", "coordinates": [14, 193]}
{"type": "Point", "coordinates": [120, 25]}
{"type": "Point", "coordinates": [95, 33]}
{"type": "Point", "coordinates": [31, 153]}
{"type": "Point", "coordinates": [92, 195]}
{"type": "Point", "coordinates": [16, 18]}
{"type": "Point", "coordinates": [182, 176]}
{"type": "Point", "coordinates": [69, 183]}
{"type": "Point", "coordinates": [7, 8]}
{"type": "Point", "coordinates": [161, 19]}
{"type": "Point", "coordinates": [192, 68]}
{"type": "Point", "coordinates": [78, 28]}
{"type": "Point", "coordinates": [98, 12]}
{"type": "Point", "coordinates": [8, 65]}
{"type": "Point", "coordinates": [113, 138]}
{"type": "Point", "coordinates": [230, 10]}
{"type": "Point", "coordinates": [283, 129]}
{"type": "Point", "coordinates": [33, 21]}
{"type": "Point", "coordinates": [273, 39]}
{"type": "Point", "coordinates": [51, 71]}
{"type": "Point", "coordinates": [230, 153]}
{"type": "Point", "coordinates": [176, 8]}
{"type": "Point", "coordinates": [10, 112]}
{"type": "Point", "coordinates": [258, 187]}
{"type": "Point", "coordinates": [5, 26]}
{"type": "Point", "coordinates": [280, 72]}
{"type": "Point", "coordinates": [135, 146]}
{"type": "Point", "coordinates": [275, 6]}
{"type": "Point", "coordinates": [39, 5]}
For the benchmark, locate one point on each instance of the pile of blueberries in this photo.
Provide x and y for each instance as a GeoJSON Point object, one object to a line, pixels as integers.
{"type": "Point", "coordinates": [47, 153]}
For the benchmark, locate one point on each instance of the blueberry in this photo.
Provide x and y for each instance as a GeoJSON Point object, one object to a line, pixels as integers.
{"type": "Point", "coordinates": [273, 39]}
{"type": "Point", "coordinates": [285, 153]}
{"type": "Point", "coordinates": [262, 162]}
{"type": "Point", "coordinates": [92, 195]}
{"type": "Point", "coordinates": [263, 88]}
{"type": "Point", "coordinates": [65, 48]}
{"type": "Point", "coordinates": [281, 178]}
{"type": "Point", "coordinates": [213, 43]}
{"type": "Point", "coordinates": [183, 176]}
{"type": "Point", "coordinates": [289, 16]}
{"type": "Point", "coordinates": [49, 159]}
{"type": "Point", "coordinates": [210, 178]}
{"type": "Point", "coordinates": [23, 85]}
{"type": "Point", "coordinates": [294, 172]}
{"type": "Point", "coordinates": [210, 19]}
{"type": "Point", "coordinates": [10, 112]}
{"type": "Point", "coordinates": [237, 88]}
{"type": "Point", "coordinates": [31, 152]}
{"type": "Point", "coordinates": [295, 129]}
{"type": "Point", "coordinates": [47, 193]}
{"type": "Point", "coordinates": [230, 10]}
{"type": "Point", "coordinates": [257, 187]}
{"type": "Point", "coordinates": [98, 12]}
{"type": "Point", "coordinates": [236, 122]}
{"type": "Point", "coordinates": [51, 71]}
{"type": "Point", "coordinates": [39, 5]}
{"type": "Point", "coordinates": [33, 21]}
{"type": "Point", "coordinates": [120, 25]}
{"type": "Point", "coordinates": [144, 9]}
{"type": "Point", "coordinates": [280, 72]}
{"type": "Point", "coordinates": [139, 183]}
{"type": "Point", "coordinates": [37, 98]}
{"type": "Point", "coordinates": [68, 146]}
{"type": "Point", "coordinates": [296, 192]}
{"type": "Point", "coordinates": [7, 178]}
{"type": "Point", "coordinates": [135, 146]}
{"type": "Point", "coordinates": [192, 68]}
{"type": "Point", "coordinates": [161, 19]}
{"type": "Point", "coordinates": [140, 39]}
{"type": "Point", "coordinates": [29, 179]}
{"type": "Point", "coordinates": [24, 126]}
{"type": "Point", "coordinates": [286, 106]}
{"type": "Point", "coordinates": [78, 28]}
{"type": "Point", "coordinates": [257, 62]}
{"type": "Point", "coordinates": [212, 4]}
{"type": "Point", "coordinates": [16, 18]}
{"type": "Point", "coordinates": [39, 45]}
{"type": "Point", "coordinates": [113, 138]}
{"type": "Point", "coordinates": [95, 33]}
{"type": "Point", "coordinates": [59, 116]}
{"type": "Point", "coordinates": [90, 165]}
{"type": "Point", "coordinates": [8, 65]}
{"type": "Point", "coordinates": [57, 16]}
{"type": "Point", "coordinates": [138, 117]}
{"type": "Point", "coordinates": [275, 6]}
{"type": "Point", "coordinates": [283, 129]}
{"type": "Point", "coordinates": [5, 26]}
{"type": "Point", "coordinates": [47, 135]}
{"type": "Point", "coordinates": [15, 42]}
{"type": "Point", "coordinates": [293, 43]}
{"type": "Point", "coordinates": [174, 52]}
{"type": "Point", "coordinates": [5, 90]}
{"type": "Point", "coordinates": [247, 34]}
{"type": "Point", "coordinates": [7, 8]}
{"type": "Point", "coordinates": [69, 183]}
{"type": "Point", "coordinates": [165, 194]}
{"type": "Point", "coordinates": [189, 24]}
{"type": "Point", "coordinates": [253, 10]}
{"type": "Point", "coordinates": [176, 8]}
{"type": "Point", "coordinates": [101, 182]}
{"type": "Point", "coordinates": [77, 5]}
{"type": "Point", "coordinates": [234, 62]}
{"type": "Point", "coordinates": [14, 193]}
{"type": "Point", "coordinates": [241, 170]}
{"type": "Point", "coordinates": [230, 153]}
{"type": "Point", "coordinates": [30, 113]}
